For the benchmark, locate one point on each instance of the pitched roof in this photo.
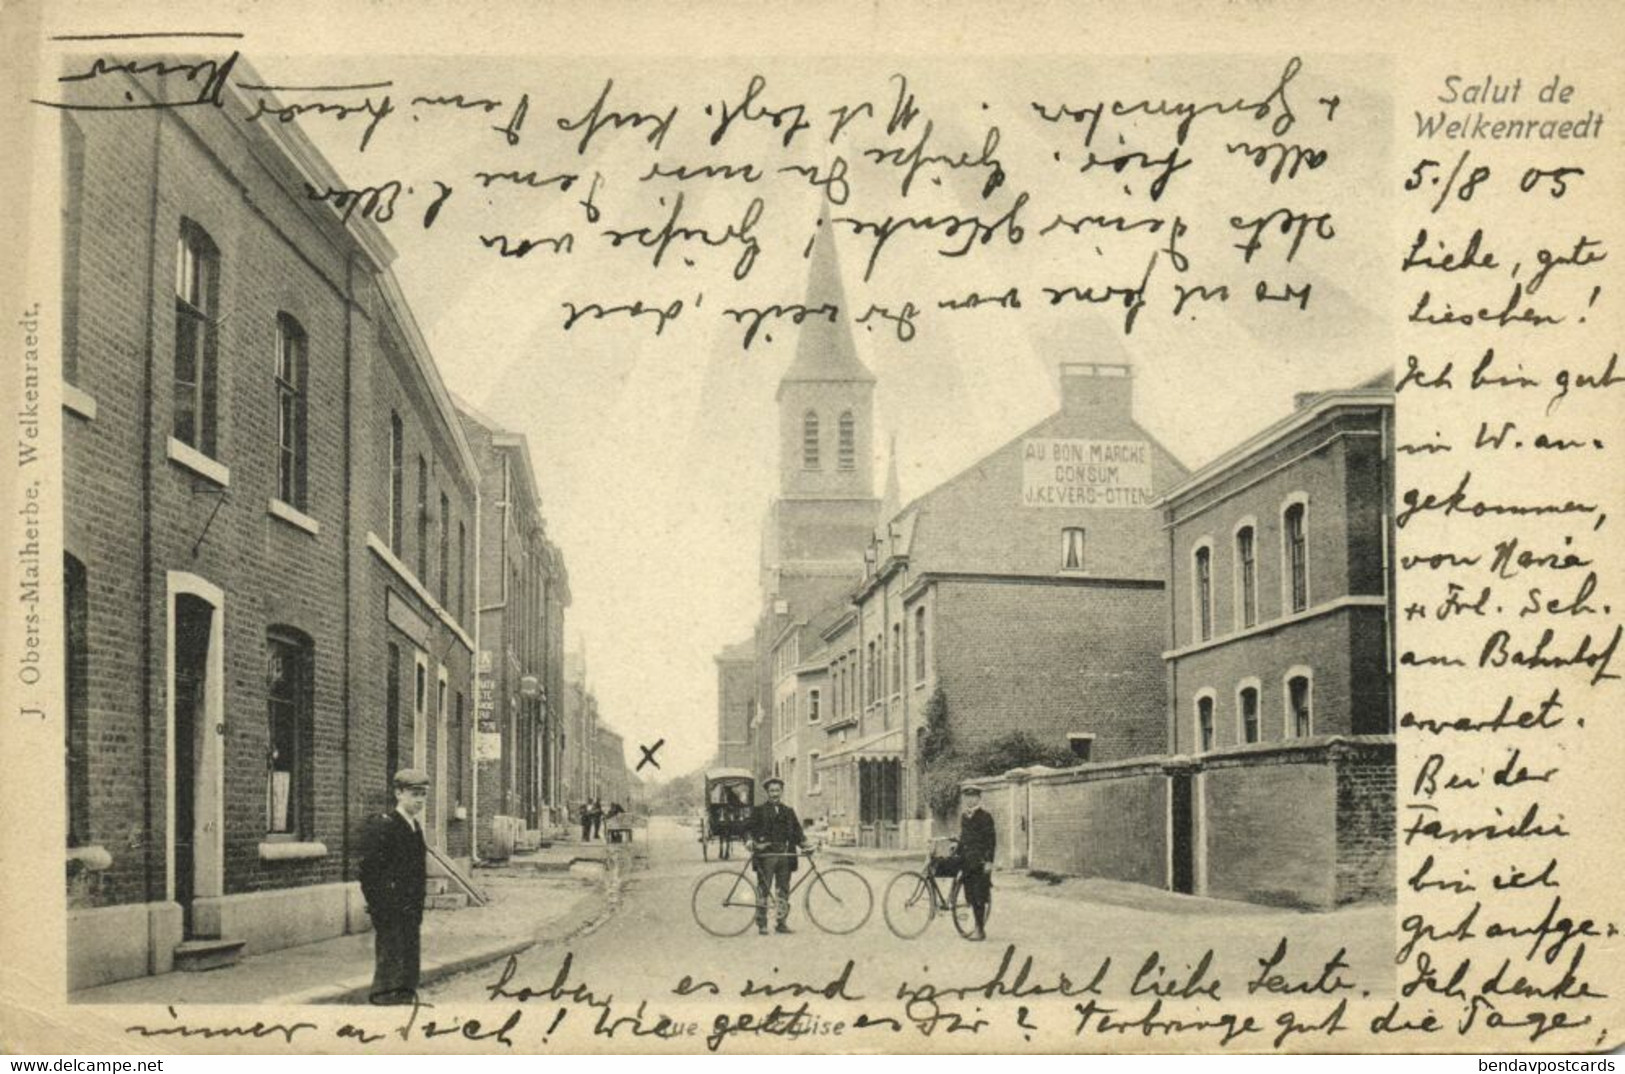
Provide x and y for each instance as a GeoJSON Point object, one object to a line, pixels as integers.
{"type": "Point", "coordinates": [825, 351]}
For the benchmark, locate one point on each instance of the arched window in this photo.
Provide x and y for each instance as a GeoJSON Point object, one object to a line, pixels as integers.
{"type": "Point", "coordinates": [1295, 553]}
{"type": "Point", "coordinates": [289, 793]}
{"type": "Point", "coordinates": [77, 669]}
{"type": "Point", "coordinates": [849, 441]}
{"type": "Point", "coordinates": [1204, 721]}
{"type": "Point", "coordinates": [1246, 577]}
{"type": "Point", "coordinates": [291, 374]}
{"type": "Point", "coordinates": [1300, 702]}
{"type": "Point", "coordinates": [809, 441]}
{"type": "Point", "coordinates": [1247, 711]}
{"type": "Point", "coordinates": [1202, 583]}
{"type": "Point", "coordinates": [197, 308]}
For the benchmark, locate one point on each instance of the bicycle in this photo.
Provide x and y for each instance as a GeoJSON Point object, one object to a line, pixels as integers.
{"type": "Point", "coordinates": [913, 899]}
{"type": "Point", "coordinates": [837, 901]}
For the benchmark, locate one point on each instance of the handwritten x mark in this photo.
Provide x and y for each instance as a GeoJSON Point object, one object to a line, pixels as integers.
{"type": "Point", "coordinates": [649, 755]}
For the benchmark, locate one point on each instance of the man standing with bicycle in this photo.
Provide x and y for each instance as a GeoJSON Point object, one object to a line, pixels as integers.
{"type": "Point", "coordinates": [977, 841]}
{"type": "Point", "coordinates": [776, 841]}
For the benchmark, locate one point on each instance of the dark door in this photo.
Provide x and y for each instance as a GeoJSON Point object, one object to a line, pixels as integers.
{"type": "Point", "coordinates": [1182, 830]}
{"type": "Point", "coordinates": [192, 618]}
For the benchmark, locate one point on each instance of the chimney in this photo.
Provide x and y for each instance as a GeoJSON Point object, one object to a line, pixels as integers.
{"type": "Point", "coordinates": [1104, 388]}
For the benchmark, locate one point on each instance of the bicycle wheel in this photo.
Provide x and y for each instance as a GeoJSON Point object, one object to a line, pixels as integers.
{"type": "Point", "coordinates": [909, 905]}
{"type": "Point", "coordinates": [964, 916]}
{"type": "Point", "coordinates": [724, 903]}
{"type": "Point", "coordinates": [839, 900]}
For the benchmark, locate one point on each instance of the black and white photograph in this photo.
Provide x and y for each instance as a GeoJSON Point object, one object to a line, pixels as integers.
{"type": "Point", "coordinates": [538, 531]}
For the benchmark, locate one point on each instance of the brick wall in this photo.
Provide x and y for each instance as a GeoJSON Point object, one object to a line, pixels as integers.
{"type": "Point", "coordinates": [1323, 476]}
{"type": "Point", "coordinates": [1105, 821]}
{"type": "Point", "coordinates": [1346, 657]}
{"type": "Point", "coordinates": [1366, 811]}
{"type": "Point", "coordinates": [1307, 824]}
{"type": "Point", "coordinates": [148, 520]}
{"type": "Point", "coordinates": [1052, 658]}
{"type": "Point", "coordinates": [133, 515]}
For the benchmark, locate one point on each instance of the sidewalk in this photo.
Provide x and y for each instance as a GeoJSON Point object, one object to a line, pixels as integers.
{"type": "Point", "coordinates": [525, 907]}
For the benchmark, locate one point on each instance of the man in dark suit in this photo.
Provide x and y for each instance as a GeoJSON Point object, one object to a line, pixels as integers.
{"type": "Point", "coordinates": [976, 845]}
{"type": "Point", "coordinates": [776, 841]}
{"type": "Point", "coordinates": [393, 858]}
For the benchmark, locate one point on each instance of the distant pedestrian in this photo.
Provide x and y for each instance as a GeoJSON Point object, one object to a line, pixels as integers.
{"type": "Point", "coordinates": [597, 819]}
{"type": "Point", "coordinates": [393, 857]}
{"type": "Point", "coordinates": [977, 841]}
{"type": "Point", "coordinates": [586, 820]}
{"type": "Point", "coordinates": [776, 841]}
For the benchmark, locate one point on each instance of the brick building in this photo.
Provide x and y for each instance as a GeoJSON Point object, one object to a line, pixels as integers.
{"type": "Point", "coordinates": [1281, 609]}
{"type": "Point", "coordinates": [524, 592]}
{"type": "Point", "coordinates": [800, 686]}
{"type": "Point", "coordinates": [1028, 591]}
{"type": "Point", "coordinates": [580, 725]}
{"type": "Point", "coordinates": [1279, 553]}
{"type": "Point", "coordinates": [268, 520]}
{"type": "Point", "coordinates": [736, 705]}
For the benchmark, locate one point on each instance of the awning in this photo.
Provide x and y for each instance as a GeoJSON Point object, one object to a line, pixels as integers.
{"type": "Point", "coordinates": [886, 746]}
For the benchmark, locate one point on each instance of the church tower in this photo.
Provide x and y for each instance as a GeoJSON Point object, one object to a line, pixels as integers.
{"type": "Point", "coordinates": [825, 512]}
{"type": "Point", "coordinates": [826, 398]}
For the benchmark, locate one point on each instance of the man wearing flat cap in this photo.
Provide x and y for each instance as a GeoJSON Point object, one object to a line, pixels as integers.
{"type": "Point", "coordinates": [976, 845]}
{"type": "Point", "coordinates": [392, 881]}
{"type": "Point", "coordinates": [776, 841]}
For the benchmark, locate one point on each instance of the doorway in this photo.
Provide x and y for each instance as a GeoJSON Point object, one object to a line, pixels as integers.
{"type": "Point", "coordinates": [196, 729]}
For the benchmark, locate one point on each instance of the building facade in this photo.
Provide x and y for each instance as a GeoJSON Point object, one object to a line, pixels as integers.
{"type": "Point", "coordinates": [269, 509]}
{"type": "Point", "coordinates": [1024, 596]}
{"type": "Point", "coordinates": [520, 732]}
{"type": "Point", "coordinates": [1280, 555]}
{"type": "Point", "coordinates": [736, 705]}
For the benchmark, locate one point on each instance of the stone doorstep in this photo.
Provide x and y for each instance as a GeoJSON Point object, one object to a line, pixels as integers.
{"type": "Point", "coordinates": [456, 900]}
{"type": "Point", "coordinates": [195, 956]}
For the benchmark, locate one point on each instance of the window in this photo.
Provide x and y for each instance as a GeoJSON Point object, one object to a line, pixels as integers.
{"type": "Point", "coordinates": [1204, 593]}
{"type": "Point", "coordinates": [1204, 722]}
{"type": "Point", "coordinates": [288, 694]}
{"type": "Point", "coordinates": [1247, 705]}
{"type": "Point", "coordinates": [872, 674]}
{"type": "Point", "coordinates": [849, 441]}
{"type": "Point", "coordinates": [458, 737]}
{"type": "Point", "coordinates": [813, 714]}
{"type": "Point", "coordinates": [919, 644]}
{"type": "Point", "coordinates": [1072, 549]}
{"type": "Point", "coordinates": [815, 782]}
{"type": "Point", "coordinates": [397, 486]}
{"type": "Point", "coordinates": [423, 519]}
{"type": "Point", "coordinates": [1246, 578]}
{"type": "Point", "coordinates": [1083, 746]}
{"type": "Point", "coordinates": [392, 717]}
{"type": "Point", "coordinates": [809, 441]}
{"type": "Point", "coordinates": [445, 551]}
{"type": "Point", "coordinates": [291, 366]}
{"type": "Point", "coordinates": [76, 652]}
{"type": "Point", "coordinates": [196, 306]}
{"type": "Point", "coordinates": [896, 658]}
{"type": "Point", "coordinates": [1297, 556]}
{"type": "Point", "coordinates": [1299, 716]}
{"type": "Point", "coordinates": [73, 215]}
{"type": "Point", "coordinates": [462, 571]}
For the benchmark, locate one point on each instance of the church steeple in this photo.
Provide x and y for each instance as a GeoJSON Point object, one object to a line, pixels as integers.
{"type": "Point", "coordinates": [826, 411]}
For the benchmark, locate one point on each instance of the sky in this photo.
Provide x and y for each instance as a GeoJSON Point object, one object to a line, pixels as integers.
{"type": "Point", "coordinates": [656, 454]}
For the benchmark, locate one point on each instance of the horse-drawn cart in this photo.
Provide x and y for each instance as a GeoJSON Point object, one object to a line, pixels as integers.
{"type": "Point", "coordinates": [729, 795]}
